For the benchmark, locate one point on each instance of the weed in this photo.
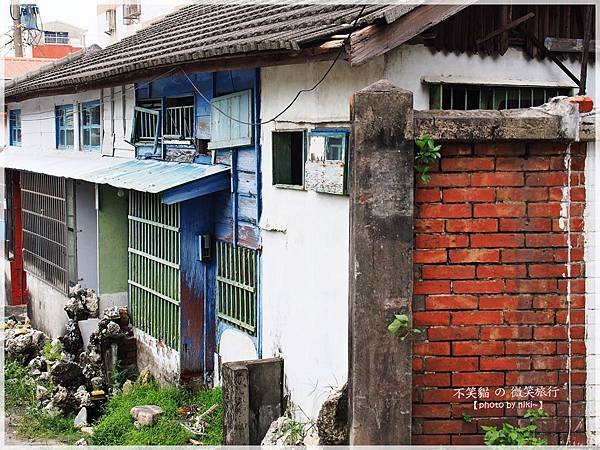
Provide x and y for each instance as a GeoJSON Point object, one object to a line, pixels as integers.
{"type": "Point", "coordinates": [52, 350]}
{"type": "Point", "coordinates": [427, 154]}
{"type": "Point", "coordinates": [19, 386]}
{"type": "Point", "coordinates": [39, 424]}
{"type": "Point", "coordinates": [518, 436]}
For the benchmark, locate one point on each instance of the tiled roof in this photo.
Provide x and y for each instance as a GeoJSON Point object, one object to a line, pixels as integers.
{"type": "Point", "coordinates": [16, 67]}
{"type": "Point", "coordinates": [199, 32]}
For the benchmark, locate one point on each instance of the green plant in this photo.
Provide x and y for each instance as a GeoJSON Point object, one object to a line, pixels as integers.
{"type": "Point", "coordinates": [121, 374]}
{"type": "Point", "coordinates": [511, 435]}
{"type": "Point", "coordinates": [19, 386]}
{"type": "Point", "coordinates": [427, 154]}
{"type": "Point", "coordinates": [52, 350]}
{"type": "Point", "coordinates": [401, 326]}
{"type": "Point", "coordinates": [39, 424]}
{"type": "Point", "coordinates": [467, 418]}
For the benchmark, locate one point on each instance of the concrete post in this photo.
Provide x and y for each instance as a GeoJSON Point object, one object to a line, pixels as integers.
{"type": "Point", "coordinates": [381, 267]}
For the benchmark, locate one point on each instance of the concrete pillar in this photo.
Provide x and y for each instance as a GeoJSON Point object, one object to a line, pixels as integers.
{"type": "Point", "coordinates": [381, 268]}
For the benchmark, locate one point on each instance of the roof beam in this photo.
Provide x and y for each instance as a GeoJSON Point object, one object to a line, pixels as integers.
{"type": "Point", "coordinates": [204, 186]}
{"type": "Point", "coordinates": [378, 39]}
{"type": "Point", "coordinates": [560, 45]}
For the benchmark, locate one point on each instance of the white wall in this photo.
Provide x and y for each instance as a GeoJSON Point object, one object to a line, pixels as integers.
{"type": "Point", "coordinates": [305, 234]}
{"type": "Point", "coordinates": [86, 220]}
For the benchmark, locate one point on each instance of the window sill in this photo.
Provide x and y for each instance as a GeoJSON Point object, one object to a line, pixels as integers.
{"type": "Point", "coordinates": [295, 187]}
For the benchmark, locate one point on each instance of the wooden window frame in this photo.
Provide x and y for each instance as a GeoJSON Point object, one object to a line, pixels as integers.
{"type": "Point", "coordinates": [86, 109]}
{"type": "Point", "coordinates": [60, 128]}
{"type": "Point", "coordinates": [275, 156]}
{"type": "Point", "coordinates": [14, 125]}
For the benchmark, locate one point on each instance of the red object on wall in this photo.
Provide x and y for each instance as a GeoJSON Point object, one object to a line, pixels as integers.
{"type": "Point", "coordinates": [53, 51]}
{"type": "Point", "coordinates": [491, 275]}
{"type": "Point", "coordinates": [17, 274]}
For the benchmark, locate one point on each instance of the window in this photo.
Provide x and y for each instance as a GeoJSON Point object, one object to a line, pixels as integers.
{"type": "Point", "coordinates": [14, 126]}
{"type": "Point", "coordinates": [132, 11]}
{"type": "Point", "coordinates": [110, 25]}
{"type": "Point", "coordinates": [237, 286]}
{"type": "Point", "coordinates": [64, 126]}
{"type": "Point", "coordinates": [288, 158]}
{"type": "Point", "coordinates": [56, 37]}
{"type": "Point", "coordinates": [90, 125]}
{"type": "Point", "coordinates": [231, 116]}
{"type": "Point", "coordinates": [179, 121]}
{"type": "Point", "coordinates": [472, 96]}
{"type": "Point", "coordinates": [326, 167]}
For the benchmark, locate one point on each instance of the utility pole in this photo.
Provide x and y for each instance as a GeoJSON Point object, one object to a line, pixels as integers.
{"type": "Point", "coordinates": [15, 10]}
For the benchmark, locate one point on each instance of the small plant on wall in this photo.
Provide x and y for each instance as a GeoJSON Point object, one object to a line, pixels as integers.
{"type": "Point", "coordinates": [517, 436]}
{"type": "Point", "coordinates": [401, 327]}
{"type": "Point", "coordinates": [427, 154]}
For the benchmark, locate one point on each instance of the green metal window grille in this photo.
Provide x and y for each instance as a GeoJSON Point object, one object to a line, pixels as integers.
{"type": "Point", "coordinates": [237, 286]}
{"type": "Point", "coordinates": [48, 228]}
{"type": "Point", "coordinates": [470, 96]}
{"type": "Point", "coordinates": [90, 125]}
{"type": "Point", "coordinates": [154, 258]}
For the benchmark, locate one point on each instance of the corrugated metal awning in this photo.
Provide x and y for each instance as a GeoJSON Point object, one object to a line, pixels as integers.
{"type": "Point", "coordinates": [176, 181]}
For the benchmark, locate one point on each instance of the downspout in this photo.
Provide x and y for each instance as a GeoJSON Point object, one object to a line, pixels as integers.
{"type": "Point", "coordinates": [257, 151]}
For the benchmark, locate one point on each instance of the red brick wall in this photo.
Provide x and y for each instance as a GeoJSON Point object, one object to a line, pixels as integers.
{"type": "Point", "coordinates": [491, 291]}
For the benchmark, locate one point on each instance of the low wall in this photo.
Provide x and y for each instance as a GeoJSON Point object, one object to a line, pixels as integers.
{"type": "Point", "coordinates": [160, 360]}
{"type": "Point", "coordinates": [45, 307]}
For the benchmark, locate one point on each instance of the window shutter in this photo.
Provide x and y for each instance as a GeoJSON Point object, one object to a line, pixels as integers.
{"type": "Point", "coordinates": [226, 113]}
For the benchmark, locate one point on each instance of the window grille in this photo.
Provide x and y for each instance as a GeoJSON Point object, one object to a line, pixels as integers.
{"type": "Point", "coordinates": [111, 22]}
{"type": "Point", "coordinates": [90, 125]}
{"type": "Point", "coordinates": [56, 37]}
{"type": "Point", "coordinates": [15, 127]}
{"type": "Point", "coordinates": [64, 126]}
{"type": "Point", "coordinates": [154, 276]}
{"type": "Point", "coordinates": [48, 228]}
{"type": "Point", "coordinates": [237, 286]}
{"type": "Point", "coordinates": [472, 96]}
{"type": "Point", "coordinates": [131, 12]}
{"type": "Point", "coordinates": [179, 123]}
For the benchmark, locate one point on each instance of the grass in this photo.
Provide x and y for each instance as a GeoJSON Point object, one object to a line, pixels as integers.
{"type": "Point", "coordinates": [19, 386]}
{"type": "Point", "coordinates": [115, 427]}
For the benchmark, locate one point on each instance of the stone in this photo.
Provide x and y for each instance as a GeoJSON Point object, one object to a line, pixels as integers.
{"type": "Point", "coordinates": [279, 433]}
{"type": "Point", "coordinates": [72, 340]}
{"type": "Point", "coordinates": [146, 415]}
{"type": "Point", "coordinates": [81, 441]}
{"type": "Point", "coordinates": [24, 347]}
{"type": "Point", "coordinates": [145, 376]}
{"type": "Point", "coordinates": [44, 376]}
{"type": "Point", "coordinates": [87, 430]}
{"type": "Point", "coordinates": [113, 329]}
{"type": "Point", "coordinates": [80, 420]}
{"type": "Point", "coordinates": [332, 423]}
{"type": "Point", "coordinates": [83, 397]}
{"type": "Point", "coordinates": [312, 438]}
{"type": "Point", "coordinates": [97, 383]}
{"type": "Point", "coordinates": [40, 392]}
{"type": "Point", "coordinates": [127, 387]}
{"type": "Point", "coordinates": [68, 374]}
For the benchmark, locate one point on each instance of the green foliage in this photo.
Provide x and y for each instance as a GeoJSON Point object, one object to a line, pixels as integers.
{"type": "Point", "coordinates": [121, 374]}
{"type": "Point", "coordinates": [467, 418]}
{"type": "Point", "coordinates": [511, 435]}
{"type": "Point", "coordinates": [427, 153]}
{"type": "Point", "coordinates": [401, 327]}
{"type": "Point", "coordinates": [19, 386]}
{"type": "Point", "coordinates": [115, 427]}
{"type": "Point", "coordinates": [52, 351]}
{"type": "Point", "coordinates": [39, 424]}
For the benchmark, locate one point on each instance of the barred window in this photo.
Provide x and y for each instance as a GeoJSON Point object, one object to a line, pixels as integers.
{"type": "Point", "coordinates": [14, 125]}
{"type": "Point", "coordinates": [64, 126]}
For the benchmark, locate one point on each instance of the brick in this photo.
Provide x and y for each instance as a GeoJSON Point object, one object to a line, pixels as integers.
{"type": "Point", "coordinates": [417, 364]}
{"type": "Point", "coordinates": [520, 164]}
{"type": "Point", "coordinates": [478, 379]}
{"type": "Point", "coordinates": [474, 255]}
{"type": "Point", "coordinates": [431, 287]}
{"type": "Point", "coordinates": [460, 195]}
{"type": "Point", "coordinates": [447, 427]}
{"type": "Point", "coordinates": [546, 209]}
{"type": "Point", "coordinates": [522, 194]}
{"type": "Point", "coordinates": [550, 270]}
{"type": "Point", "coordinates": [497, 240]}
{"type": "Point", "coordinates": [550, 333]}
{"type": "Point", "coordinates": [431, 348]}
{"type": "Point", "coordinates": [452, 302]}
{"type": "Point", "coordinates": [451, 364]}
{"type": "Point", "coordinates": [505, 302]}
{"type": "Point", "coordinates": [456, 149]}
{"type": "Point", "coordinates": [503, 363]}
{"type": "Point", "coordinates": [497, 179]}
{"type": "Point", "coordinates": [444, 211]}
{"type": "Point", "coordinates": [577, 348]}
{"type": "Point", "coordinates": [534, 378]}
{"type": "Point", "coordinates": [499, 210]}
{"type": "Point", "coordinates": [546, 240]}
{"type": "Point", "coordinates": [562, 255]}
{"type": "Point", "coordinates": [431, 318]}
{"type": "Point", "coordinates": [531, 348]}
{"type": "Point", "coordinates": [546, 179]}
{"type": "Point", "coordinates": [447, 180]}
{"type": "Point", "coordinates": [429, 439]}
{"type": "Point", "coordinates": [451, 272]}
{"type": "Point", "coordinates": [525, 224]}
{"type": "Point", "coordinates": [505, 333]}
{"type": "Point", "coordinates": [499, 149]}
{"type": "Point", "coordinates": [502, 271]}
{"type": "Point", "coordinates": [532, 286]}
{"type": "Point", "coordinates": [576, 194]}
{"type": "Point", "coordinates": [467, 439]}
{"type": "Point", "coordinates": [472, 225]}
{"type": "Point", "coordinates": [432, 379]}
{"type": "Point", "coordinates": [441, 241]}
{"type": "Point", "coordinates": [430, 256]}
{"type": "Point", "coordinates": [443, 396]}
{"type": "Point", "coordinates": [577, 286]}
{"type": "Point", "coordinates": [577, 317]}
{"type": "Point", "coordinates": [478, 286]}
{"type": "Point", "coordinates": [527, 255]}
{"type": "Point", "coordinates": [452, 333]}
{"type": "Point", "coordinates": [547, 148]}
{"type": "Point", "coordinates": [429, 225]}
{"type": "Point", "coordinates": [431, 411]}
{"type": "Point", "coordinates": [423, 195]}
{"type": "Point", "coordinates": [576, 377]}
{"type": "Point", "coordinates": [549, 301]}
{"type": "Point", "coordinates": [469, 348]}
{"type": "Point", "coordinates": [529, 317]}
{"type": "Point", "coordinates": [467, 164]}
{"type": "Point", "coordinates": [477, 317]}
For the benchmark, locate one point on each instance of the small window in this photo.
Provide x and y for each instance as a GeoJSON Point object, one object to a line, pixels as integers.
{"type": "Point", "coordinates": [90, 126]}
{"type": "Point", "coordinates": [288, 158]}
{"type": "Point", "coordinates": [56, 37]}
{"type": "Point", "coordinates": [471, 96]}
{"type": "Point", "coordinates": [231, 117]}
{"type": "Point", "coordinates": [64, 126]}
{"type": "Point", "coordinates": [326, 166]}
{"type": "Point", "coordinates": [14, 116]}
{"type": "Point", "coordinates": [179, 120]}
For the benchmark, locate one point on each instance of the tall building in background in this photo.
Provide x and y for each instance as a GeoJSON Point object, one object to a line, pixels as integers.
{"type": "Point", "coordinates": [58, 40]}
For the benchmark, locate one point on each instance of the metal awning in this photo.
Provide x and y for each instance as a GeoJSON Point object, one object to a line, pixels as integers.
{"type": "Point", "coordinates": [175, 181]}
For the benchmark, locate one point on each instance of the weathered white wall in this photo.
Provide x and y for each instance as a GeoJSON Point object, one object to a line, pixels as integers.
{"type": "Point", "coordinates": [305, 234]}
{"type": "Point", "coordinates": [45, 307]}
{"type": "Point", "coordinates": [160, 360]}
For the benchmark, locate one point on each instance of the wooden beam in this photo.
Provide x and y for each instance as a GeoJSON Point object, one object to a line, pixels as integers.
{"type": "Point", "coordinates": [567, 45]}
{"type": "Point", "coordinates": [505, 28]}
{"type": "Point", "coordinates": [378, 39]}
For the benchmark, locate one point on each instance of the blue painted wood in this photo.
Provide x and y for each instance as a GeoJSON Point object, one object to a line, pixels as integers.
{"type": "Point", "coordinates": [204, 186]}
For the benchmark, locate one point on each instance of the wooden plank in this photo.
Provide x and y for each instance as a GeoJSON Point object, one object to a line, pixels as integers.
{"type": "Point", "coordinates": [505, 28]}
{"type": "Point", "coordinates": [378, 39]}
{"type": "Point", "coordinates": [567, 45]}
